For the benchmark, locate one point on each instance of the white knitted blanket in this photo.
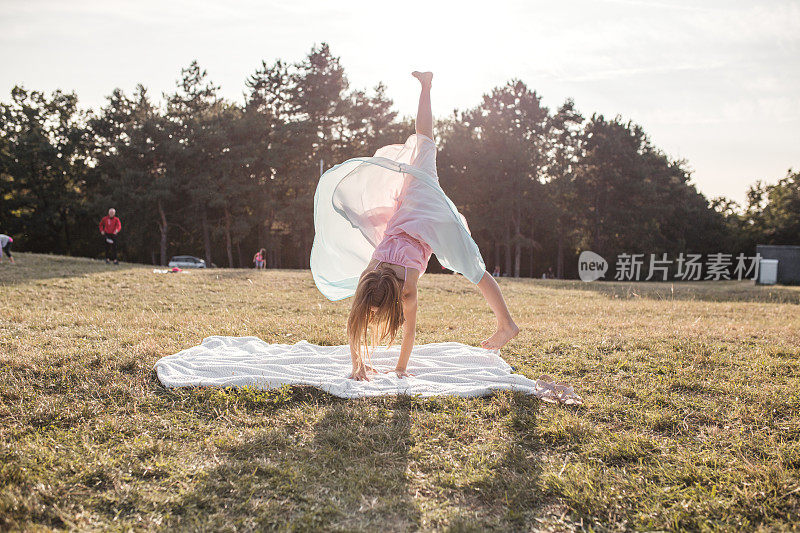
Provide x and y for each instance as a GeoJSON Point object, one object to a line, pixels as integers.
{"type": "Point", "coordinates": [443, 368]}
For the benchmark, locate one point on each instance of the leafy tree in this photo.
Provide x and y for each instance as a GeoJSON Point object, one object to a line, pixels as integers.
{"type": "Point", "coordinates": [190, 115]}
{"type": "Point", "coordinates": [45, 163]}
{"type": "Point", "coordinates": [498, 153]}
{"type": "Point", "coordinates": [134, 154]}
{"type": "Point", "coordinates": [773, 212]}
{"type": "Point", "coordinates": [234, 190]}
{"type": "Point", "coordinates": [194, 171]}
{"type": "Point", "coordinates": [318, 86]}
{"type": "Point", "coordinates": [8, 197]}
{"type": "Point", "coordinates": [306, 117]}
{"type": "Point", "coordinates": [633, 198]}
{"type": "Point", "coordinates": [566, 152]}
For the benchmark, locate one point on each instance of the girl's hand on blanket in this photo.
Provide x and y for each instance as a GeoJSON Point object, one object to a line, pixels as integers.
{"type": "Point", "coordinates": [361, 373]}
{"type": "Point", "coordinates": [401, 373]}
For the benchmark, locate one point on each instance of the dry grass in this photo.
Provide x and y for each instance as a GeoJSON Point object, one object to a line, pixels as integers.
{"type": "Point", "coordinates": [691, 419]}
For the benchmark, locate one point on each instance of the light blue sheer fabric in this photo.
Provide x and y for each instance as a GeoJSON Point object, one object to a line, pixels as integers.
{"type": "Point", "coordinates": [357, 200]}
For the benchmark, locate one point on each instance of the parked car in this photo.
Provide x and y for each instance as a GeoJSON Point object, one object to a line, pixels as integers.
{"type": "Point", "coordinates": [186, 261]}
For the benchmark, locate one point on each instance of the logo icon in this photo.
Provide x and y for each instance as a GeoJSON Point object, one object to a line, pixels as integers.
{"type": "Point", "coordinates": [591, 266]}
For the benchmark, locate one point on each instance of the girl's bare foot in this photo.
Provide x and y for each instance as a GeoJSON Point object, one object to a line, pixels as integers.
{"type": "Point", "coordinates": [424, 78]}
{"type": "Point", "coordinates": [500, 337]}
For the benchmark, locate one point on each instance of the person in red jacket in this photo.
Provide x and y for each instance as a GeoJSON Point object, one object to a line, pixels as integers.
{"type": "Point", "coordinates": [110, 226]}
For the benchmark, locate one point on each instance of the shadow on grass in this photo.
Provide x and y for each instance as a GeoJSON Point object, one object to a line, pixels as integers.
{"type": "Point", "coordinates": [510, 498]}
{"type": "Point", "coordinates": [348, 472]}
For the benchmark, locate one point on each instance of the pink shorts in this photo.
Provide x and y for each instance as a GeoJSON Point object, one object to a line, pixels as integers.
{"type": "Point", "coordinates": [402, 249]}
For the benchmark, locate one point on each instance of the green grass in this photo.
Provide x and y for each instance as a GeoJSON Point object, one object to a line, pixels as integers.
{"type": "Point", "coordinates": [691, 418]}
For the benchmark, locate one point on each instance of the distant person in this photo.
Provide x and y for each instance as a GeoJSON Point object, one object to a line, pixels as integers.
{"type": "Point", "coordinates": [260, 258]}
{"type": "Point", "coordinates": [496, 271]}
{"type": "Point", "coordinates": [550, 273]}
{"type": "Point", "coordinates": [110, 227]}
{"type": "Point", "coordinates": [5, 247]}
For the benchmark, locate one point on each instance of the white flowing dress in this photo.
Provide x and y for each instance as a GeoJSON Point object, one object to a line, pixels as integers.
{"type": "Point", "coordinates": [398, 189]}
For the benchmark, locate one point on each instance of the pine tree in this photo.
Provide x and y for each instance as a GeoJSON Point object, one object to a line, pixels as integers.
{"type": "Point", "coordinates": [46, 150]}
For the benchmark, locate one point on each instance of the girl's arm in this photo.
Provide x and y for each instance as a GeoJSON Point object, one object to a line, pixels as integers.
{"type": "Point", "coordinates": [409, 330]}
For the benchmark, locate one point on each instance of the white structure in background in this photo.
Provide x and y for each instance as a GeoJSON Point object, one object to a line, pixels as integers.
{"type": "Point", "coordinates": [768, 272]}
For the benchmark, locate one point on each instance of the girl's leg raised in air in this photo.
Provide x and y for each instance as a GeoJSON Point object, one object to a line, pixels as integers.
{"type": "Point", "coordinates": [506, 328]}
{"type": "Point", "coordinates": [424, 122]}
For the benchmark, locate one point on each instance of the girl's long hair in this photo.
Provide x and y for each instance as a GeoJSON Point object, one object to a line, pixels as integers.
{"type": "Point", "coordinates": [380, 288]}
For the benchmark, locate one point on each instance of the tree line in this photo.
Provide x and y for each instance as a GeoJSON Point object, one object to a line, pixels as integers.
{"type": "Point", "coordinates": [194, 173]}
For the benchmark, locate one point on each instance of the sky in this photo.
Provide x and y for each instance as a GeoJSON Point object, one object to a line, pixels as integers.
{"type": "Point", "coordinates": [716, 83]}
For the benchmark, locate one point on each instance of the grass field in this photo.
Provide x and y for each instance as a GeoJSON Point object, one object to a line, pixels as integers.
{"type": "Point", "coordinates": [691, 418]}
